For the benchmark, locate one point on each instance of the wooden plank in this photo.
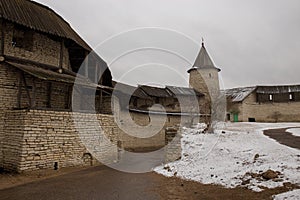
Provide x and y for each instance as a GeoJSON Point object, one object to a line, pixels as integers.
{"type": "Point", "coordinates": [33, 102]}
{"type": "Point", "coordinates": [97, 73]}
{"type": "Point", "coordinates": [69, 98]}
{"type": "Point", "coordinates": [61, 57]}
{"type": "Point", "coordinates": [19, 90]}
{"type": "Point", "coordinates": [27, 90]}
{"type": "Point", "coordinates": [49, 93]}
{"type": "Point", "coordinates": [86, 64]}
{"type": "Point", "coordinates": [2, 37]}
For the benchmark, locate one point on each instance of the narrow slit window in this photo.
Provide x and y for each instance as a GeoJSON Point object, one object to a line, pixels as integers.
{"type": "Point", "coordinates": [270, 97]}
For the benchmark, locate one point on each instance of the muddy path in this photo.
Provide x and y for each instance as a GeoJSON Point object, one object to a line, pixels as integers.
{"type": "Point", "coordinates": [283, 137]}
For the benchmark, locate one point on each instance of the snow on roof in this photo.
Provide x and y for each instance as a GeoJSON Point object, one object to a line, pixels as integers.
{"type": "Point", "coordinates": [239, 94]}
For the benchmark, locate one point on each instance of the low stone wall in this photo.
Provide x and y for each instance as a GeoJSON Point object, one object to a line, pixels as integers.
{"type": "Point", "coordinates": [173, 144]}
{"type": "Point", "coordinates": [271, 111]}
{"type": "Point", "coordinates": [41, 139]}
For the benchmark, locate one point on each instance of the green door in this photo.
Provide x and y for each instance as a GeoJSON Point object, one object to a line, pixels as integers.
{"type": "Point", "coordinates": [235, 117]}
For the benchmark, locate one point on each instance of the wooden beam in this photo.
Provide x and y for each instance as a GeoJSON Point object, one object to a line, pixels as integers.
{"type": "Point", "coordinates": [27, 90]}
{"type": "Point", "coordinates": [33, 102]}
{"type": "Point", "coordinates": [86, 64]}
{"type": "Point", "coordinates": [69, 98]}
{"type": "Point", "coordinates": [61, 57]}
{"type": "Point", "coordinates": [97, 73]}
{"type": "Point", "coordinates": [101, 98]}
{"type": "Point", "coordinates": [19, 90]}
{"type": "Point", "coordinates": [49, 93]}
{"type": "Point", "coordinates": [30, 62]}
{"type": "Point", "coordinates": [2, 37]}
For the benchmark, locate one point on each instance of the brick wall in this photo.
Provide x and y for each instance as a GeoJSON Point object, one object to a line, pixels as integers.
{"type": "Point", "coordinates": [265, 112]}
{"type": "Point", "coordinates": [173, 142]}
{"type": "Point", "coordinates": [270, 112]}
{"type": "Point", "coordinates": [37, 139]}
{"type": "Point", "coordinates": [45, 49]}
{"type": "Point", "coordinates": [8, 92]}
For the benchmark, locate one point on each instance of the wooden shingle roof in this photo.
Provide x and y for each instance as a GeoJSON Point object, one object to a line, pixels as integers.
{"type": "Point", "coordinates": [129, 90]}
{"type": "Point", "coordinates": [183, 91]}
{"type": "Point", "coordinates": [156, 91]}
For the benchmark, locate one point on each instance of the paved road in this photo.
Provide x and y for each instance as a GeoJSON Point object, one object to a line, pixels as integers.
{"type": "Point", "coordinates": [95, 183]}
{"type": "Point", "coordinates": [104, 183]}
{"type": "Point", "coordinates": [284, 137]}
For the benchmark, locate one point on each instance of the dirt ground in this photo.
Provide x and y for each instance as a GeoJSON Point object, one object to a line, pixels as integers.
{"type": "Point", "coordinates": [104, 183]}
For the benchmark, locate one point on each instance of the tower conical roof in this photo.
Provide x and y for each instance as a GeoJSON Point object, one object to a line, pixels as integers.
{"type": "Point", "coordinates": [203, 60]}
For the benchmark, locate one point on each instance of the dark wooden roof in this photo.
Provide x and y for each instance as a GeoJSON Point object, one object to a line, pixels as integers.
{"type": "Point", "coordinates": [183, 91]}
{"type": "Point", "coordinates": [130, 90]}
{"type": "Point", "coordinates": [277, 89]}
{"type": "Point", "coordinates": [40, 18]}
{"type": "Point", "coordinates": [155, 91]}
{"type": "Point", "coordinates": [49, 75]}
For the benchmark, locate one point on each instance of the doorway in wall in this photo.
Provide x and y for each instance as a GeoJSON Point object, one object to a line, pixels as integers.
{"type": "Point", "coordinates": [228, 117]}
{"type": "Point", "coordinates": [235, 117]}
{"type": "Point", "coordinates": [251, 119]}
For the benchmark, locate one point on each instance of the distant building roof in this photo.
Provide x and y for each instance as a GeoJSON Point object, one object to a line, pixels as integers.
{"type": "Point", "coordinates": [40, 18]}
{"type": "Point", "coordinates": [155, 91]}
{"type": "Point", "coordinates": [277, 89]}
{"type": "Point", "coordinates": [203, 61]}
{"type": "Point", "coordinates": [183, 91]}
{"type": "Point", "coordinates": [130, 90]}
{"type": "Point", "coordinates": [239, 94]}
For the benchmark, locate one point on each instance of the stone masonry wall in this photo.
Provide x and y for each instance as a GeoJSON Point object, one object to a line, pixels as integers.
{"type": "Point", "coordinates": [38, 139]}
{"type": "Point", "coordinates": [8, 92]}
{"type": "Point", "coordinates": [45, 50]}
{"type": "Point", "coordinates": [270, 112]}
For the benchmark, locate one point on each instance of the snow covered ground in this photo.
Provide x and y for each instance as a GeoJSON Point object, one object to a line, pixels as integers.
{"type": "Point", "coordinates": [291, 195]}
{"type": "Point", "coordinates": [294, 131]}
{"type": "Point", "coordinates": [236, 155]}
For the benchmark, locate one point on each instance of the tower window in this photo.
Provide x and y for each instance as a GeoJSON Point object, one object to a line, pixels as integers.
{"type": "Point", "coordinates": [210, 76]}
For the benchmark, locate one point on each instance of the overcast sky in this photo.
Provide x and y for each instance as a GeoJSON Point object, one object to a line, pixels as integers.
{"type": "Point", "coordinates": [254, 42]}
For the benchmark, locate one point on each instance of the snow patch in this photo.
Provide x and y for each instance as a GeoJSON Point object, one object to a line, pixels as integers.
{"type": "Point", "coordinates": [236, 155]}
{"type": "Point", "coordinates": [294, 131]}
{"type": "Point", "coordinates": [291, 195]}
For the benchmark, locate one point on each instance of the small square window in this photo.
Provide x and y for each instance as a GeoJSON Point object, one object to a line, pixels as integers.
{"type": "Point", "coordinates": [22, 38]}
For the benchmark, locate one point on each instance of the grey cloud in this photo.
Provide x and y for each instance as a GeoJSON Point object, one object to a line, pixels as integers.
{"type": "Point", "coordinates": [253, 41]}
